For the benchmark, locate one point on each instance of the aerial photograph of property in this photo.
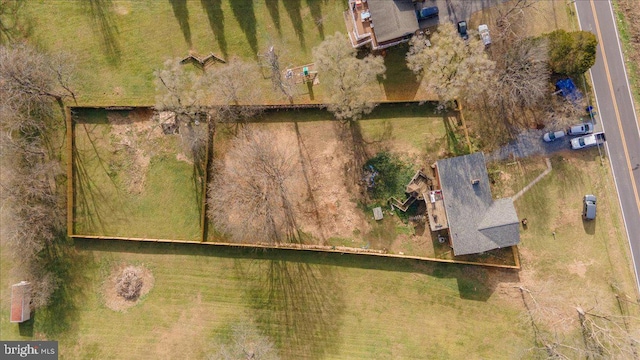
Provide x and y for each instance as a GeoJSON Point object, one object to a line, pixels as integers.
{"type": "Point", "coordinates": [319, 179]}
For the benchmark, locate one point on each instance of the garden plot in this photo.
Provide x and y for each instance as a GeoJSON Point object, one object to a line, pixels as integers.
{"type": "Point", "coordinates": [132, 180]}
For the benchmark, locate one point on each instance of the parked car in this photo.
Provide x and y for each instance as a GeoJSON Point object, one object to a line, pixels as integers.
{"type": "Point", "coordinates": [587, 141]}
{"type": "Point", "coordinates": [484, 34]}
{"type": "Point", "coordinates": [581, 129]}
{"type": "Point", "coordinates": [462, 30]}
{"type": "Point", "coordinates": [427, 13]}
{"type": "Point", "coordinates": [589, 207]}
{"type": "Point", "coordinates": [553, 135]}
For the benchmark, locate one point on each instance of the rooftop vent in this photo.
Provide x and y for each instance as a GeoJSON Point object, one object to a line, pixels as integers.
{"type": "Point", "coordinates": [475, 181]}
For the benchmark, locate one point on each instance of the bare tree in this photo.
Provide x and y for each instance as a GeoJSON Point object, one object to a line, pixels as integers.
{"type": "Point", "coordinates": [179, 92]}
{"type": "Point", "coordinates": [604, 336]}
{"type": "Point", "coordinates": [250, 196]}
{"type": "Point", "coordinates": [278, 82]}
{"type": "Point", "coordinates": [449, 66]}
{"type": "Point", "coordinates": [246, 343]}
{"type": "Point", "coordinates": [523, 74]}
{"type": "Point", "coordinates": [348, 79]}
{"type": "Point", "coordinates": [32, 85]}
{"type": "Point", "coordinates": [233, 89]}
{"type": "Point", "coordinates": [511, 14]}
{"type": "Point", "coordinates": [31, 77]}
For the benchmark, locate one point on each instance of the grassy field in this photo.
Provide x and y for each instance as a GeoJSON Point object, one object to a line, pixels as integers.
{"type": "Point", "coordinates": [131, 180]}
{"type": "Point", "coordinates": [118, 44]}
{"type": "Point", "coordinates": [310, 305]}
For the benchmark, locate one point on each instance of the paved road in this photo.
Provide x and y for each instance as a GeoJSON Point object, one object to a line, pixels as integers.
{"type": "Point", "coordinates": [617, 114]}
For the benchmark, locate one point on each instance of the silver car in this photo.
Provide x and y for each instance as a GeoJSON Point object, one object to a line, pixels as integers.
{"type": "Point", "coordinates": [553, 135]}
{"type": "Point", "coordinates": [589, 207]}
{"type": "Point", "coordinates": [581, 129]}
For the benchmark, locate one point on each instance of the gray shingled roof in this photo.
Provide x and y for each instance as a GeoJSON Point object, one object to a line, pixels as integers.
{"type": "Point", "coordinates": [392, 19]}
{"type": "Point", "coordinates": [477, 223]}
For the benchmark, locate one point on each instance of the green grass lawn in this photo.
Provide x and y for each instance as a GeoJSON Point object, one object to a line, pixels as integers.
{"type": "Point", "coordinates": [118, 44]}
{"type": "Point", "coordinates": [311, 305]}
{"type": "Point", "coordinates": [164, 200]}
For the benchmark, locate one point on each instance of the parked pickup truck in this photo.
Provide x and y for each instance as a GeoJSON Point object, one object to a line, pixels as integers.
{"type": "Point", "coordinates": [588, 141]}
{"type": "Point", "coordinates": [484, 34]}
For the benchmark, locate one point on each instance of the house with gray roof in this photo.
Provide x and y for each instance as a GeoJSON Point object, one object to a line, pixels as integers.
{"type": "Point", "coordinates": [382, 23]}
{"type": "Point", "coordinates": [476, 222]}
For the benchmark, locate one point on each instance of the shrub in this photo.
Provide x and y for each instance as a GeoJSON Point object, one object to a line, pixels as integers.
{"type": "Point", "coordinates": [393, 176]}
{"type": "Point", "coordinates": [129, 283]}
{"type": "Point", "coordinates": [571, 53]}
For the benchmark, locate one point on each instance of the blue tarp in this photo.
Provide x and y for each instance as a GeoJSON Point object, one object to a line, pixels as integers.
{"type": "Point", "coordinates": [568, 90]}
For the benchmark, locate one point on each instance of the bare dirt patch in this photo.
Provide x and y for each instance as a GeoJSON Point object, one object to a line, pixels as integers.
{"type": "Point", "coordinates": [135, 135]}
{"type": "Point", "coordinates": [115, 301]}
{"type": "Point", "coordinates": [330, 206]}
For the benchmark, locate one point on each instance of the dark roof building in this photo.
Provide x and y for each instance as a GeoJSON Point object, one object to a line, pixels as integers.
{"type": "Point", "coordinates": [477, 223]}
{"type": "Point", "coordinates": [393, 20]}
{"type": "Point", "coordinates": [383, 23]}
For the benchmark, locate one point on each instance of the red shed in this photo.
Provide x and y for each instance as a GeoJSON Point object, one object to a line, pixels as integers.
{"type": "Point", "coordinates": [20, 302]}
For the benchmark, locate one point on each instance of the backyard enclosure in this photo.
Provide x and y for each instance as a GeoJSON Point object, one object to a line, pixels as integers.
{"type": "Point", "coordinates": [132, 180]}
{"type": "Point", "coordinates": [135, 178]}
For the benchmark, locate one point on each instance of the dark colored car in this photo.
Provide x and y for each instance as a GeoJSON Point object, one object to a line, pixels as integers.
{"type": "Point", "coordinates": [462, 30]}
{"type": "Point", "coordinates": [427, 13]}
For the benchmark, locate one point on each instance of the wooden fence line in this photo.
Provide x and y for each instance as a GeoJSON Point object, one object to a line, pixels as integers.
{"type": "Point", "coordinates": [203, 235]}
{"type": "Point", "coordinates": [308, 248]}
{"type": "Point", "coordinates": [70, 173]}
{"type": "Point", "coordinates": [204, 203]}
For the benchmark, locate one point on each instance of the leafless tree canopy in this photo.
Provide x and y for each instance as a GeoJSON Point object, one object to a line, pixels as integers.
{"type": "Point", "coordinates": [279, 83]}
{"type": "Point", "coordinates": [178, 91]}
{"type": "Point", "coordinates": [448, 66]}
{"type": "Point", "coordinates": [523, 74]}
{"type": "Point", "coordinates": [246, 343]}
{"type": "Point", "coordinates": [604, 335]}
{"type": "Point", "coordinates": [32, 86]}
{"type": "Point", "coordinates": [129, 283]}
{"type": "Point", "coordinates": [349, 79]}
{"type": "Point", "coordinates": [250, 197]}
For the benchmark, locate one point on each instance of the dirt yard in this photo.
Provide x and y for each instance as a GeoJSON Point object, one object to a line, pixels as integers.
{"type": "Point", "coordinates": [329, 201]}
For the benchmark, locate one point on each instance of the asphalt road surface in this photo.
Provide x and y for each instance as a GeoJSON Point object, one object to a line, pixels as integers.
{"type": "Point", "coordinates": [617, 114]}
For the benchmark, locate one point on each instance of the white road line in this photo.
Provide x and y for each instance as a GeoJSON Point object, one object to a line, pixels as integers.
{"type": "Point", "coordinates": [624, 68]}
{"type": "Point", "coordinates": [613, 173]}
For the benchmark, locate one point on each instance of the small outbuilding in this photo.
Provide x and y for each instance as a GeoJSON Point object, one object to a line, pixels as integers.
{"type": "Point", "coordinates": [377, 213]}
{"type": "Point", "coordinates": [20, 302]}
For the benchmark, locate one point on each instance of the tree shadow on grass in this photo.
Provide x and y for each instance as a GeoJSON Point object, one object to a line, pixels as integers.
{"type": "Point", "coordinates": [245, 14]}
{"type": "Point", "coordinates": [400, 83]}
{"type": "Point", "coordinates": [315, 7]}
{"type": "Point", "coordinates": [455, 146]}
{"type": "Point", "coordinates": [474, 282]}
{"type": "Point", "coordinates": [293, 8]}
{"type": "Point", "coordinates": [216, 22]}
{"type": "Point", "coordinates": [91, 202]}
{"type": "Point", "coordinates": [274, 12]}
{"type": "Point", "coordinates": [101, 12]}
{"type": "Point", "coordinates": [69, 267]}
{"type": "Point", "coordinates": [181, 12]}
{"type": "Point", "coordinates": [308, 171]}
{"type": "Point", "coordinates": [350, 134]}
{"type": "Point", "coordinates": [297, 304]}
